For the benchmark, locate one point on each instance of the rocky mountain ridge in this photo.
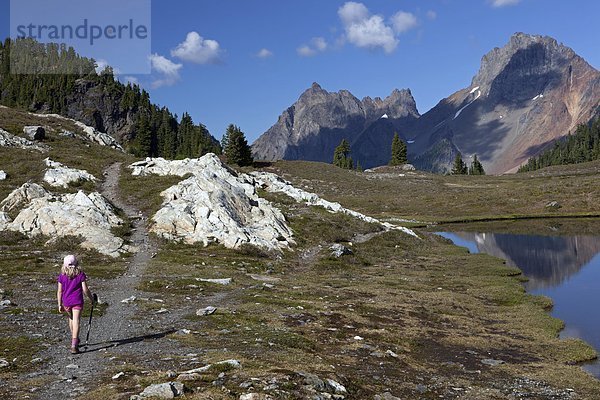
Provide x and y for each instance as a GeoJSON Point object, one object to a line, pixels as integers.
{"type": "Point", "coordinates": [319, 120]}
{"type": "Point", "coordinates": [525, 95]}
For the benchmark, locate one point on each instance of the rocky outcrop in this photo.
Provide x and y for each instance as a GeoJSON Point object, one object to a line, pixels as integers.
{"type": "Point", "coordinates": [215, 205]}
{"type": "Point", "coordinates": [160, 166]}
{"type": "Point", "coordinates": [22, 196]}
{"type": "Point", "coordinates": [90, 133]}
{"type": "Point", "coordinates": [40, 212]}
{"type": "Point", "coordinates": [313, 126]}
{"type": "Point", "coordinates": [275, 184]}
{"type": "Point", "coordinates": [9, 140]}
{"type": "Point", "coordinates": [59, 175]}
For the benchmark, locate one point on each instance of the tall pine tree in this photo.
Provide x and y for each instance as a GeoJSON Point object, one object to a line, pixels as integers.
{"type": "Point", "coordinates": [476, 167]}
{"type": "Point", "coordinates": [459, 167]}
{"type": "Point", "coordinates": [341, 155]}
{"type": "Point", "coordinates": [399, 151]}
{"type": "Point", "coordinates": [237, 151]}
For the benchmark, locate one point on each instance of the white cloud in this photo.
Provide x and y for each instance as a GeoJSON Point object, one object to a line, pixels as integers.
{"type": "Point", "coordinates": [431, 15]}
{"type": "Point", "coordinates": [317, 45]}
{"type": "Point", "coordinates": [353, 12]}
{"type": "Point", "coordinates": [168, 70]}
{"type": "Point", "coordinates": [365, 30]}
{"type": "Point", "coordinates": [502, 3]}
{"type": "Point", "coordinates": [403, 21]}
{"type": "Point", "coordinates": [198, 50]}
{"type": "Point", "coordinates": [264, 53]}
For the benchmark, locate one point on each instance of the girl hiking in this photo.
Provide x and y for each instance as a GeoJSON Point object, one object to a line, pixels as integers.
{"type": "Point", "coordinates": [71, 288]}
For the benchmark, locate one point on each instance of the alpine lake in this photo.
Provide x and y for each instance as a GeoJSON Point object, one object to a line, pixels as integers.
{"type": "Point", "coordinates": [559, 258]}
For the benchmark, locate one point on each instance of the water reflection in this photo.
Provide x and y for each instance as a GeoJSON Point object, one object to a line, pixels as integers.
{"type": "Point", "coordinates": [564, 268]}
{"type": "Point", "coordinates": [547, 261]}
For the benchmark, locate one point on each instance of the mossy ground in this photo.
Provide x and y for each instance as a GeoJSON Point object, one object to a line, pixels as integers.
{"type": "Point", "coordinates": [398, 313]}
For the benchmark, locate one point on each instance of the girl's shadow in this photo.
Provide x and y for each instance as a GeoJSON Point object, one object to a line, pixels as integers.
{"type": "Point", "coordinates": [120, 342]}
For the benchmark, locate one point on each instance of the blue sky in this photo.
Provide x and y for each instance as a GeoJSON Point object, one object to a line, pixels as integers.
{"type": "Point", "coordinates": [245, 61]}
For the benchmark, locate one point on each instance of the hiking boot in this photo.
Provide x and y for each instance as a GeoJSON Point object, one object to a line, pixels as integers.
{"type": "Point", "coordinates": [75, 350]}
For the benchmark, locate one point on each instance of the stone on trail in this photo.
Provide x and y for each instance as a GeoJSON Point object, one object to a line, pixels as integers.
{"type": "Point", "coordinates": [206, 311]}
{"type": "Point", "coordinates": [167, 390]}
{"type": "Point", "coordinates": [129, 300]}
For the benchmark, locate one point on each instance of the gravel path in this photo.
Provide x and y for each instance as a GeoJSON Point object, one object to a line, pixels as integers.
{"type": "Point", "coordinates": [115, 329]}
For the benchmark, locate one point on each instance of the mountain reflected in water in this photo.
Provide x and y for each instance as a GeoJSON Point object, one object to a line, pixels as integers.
{"type": "Point", "coordinates": [547, 261]}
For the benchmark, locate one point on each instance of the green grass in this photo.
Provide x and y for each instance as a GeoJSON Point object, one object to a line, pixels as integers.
{"type": "Point", "coordinates": [427, 197]}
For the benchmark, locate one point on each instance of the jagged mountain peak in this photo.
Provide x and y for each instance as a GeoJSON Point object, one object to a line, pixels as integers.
{"type": "Point", "coordinates": [524, 54]}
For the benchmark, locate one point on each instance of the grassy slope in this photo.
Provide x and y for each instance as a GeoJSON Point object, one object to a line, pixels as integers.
{"type": "Point", "coordinates": [427, 301]}
{"type": "Point", "coordinates": [428, 197]}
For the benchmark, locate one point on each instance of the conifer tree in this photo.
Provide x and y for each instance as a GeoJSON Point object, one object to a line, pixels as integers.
{"type": "Point", "coordinates": [237, 151]}
{"type": "Point", "coordinates": [143, 138]}
{"type": "Point", "coordinates": [476, 167]}
{"type": "Point", "coordinates": [341, 155]}
{"type": "Point", "coordinates": [459, 167]}
{"type": "Point", "coordinates": [399, 151]}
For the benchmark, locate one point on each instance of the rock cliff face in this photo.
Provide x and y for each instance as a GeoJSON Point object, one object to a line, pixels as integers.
{"type": "Point", "coordinates": [312, 127]}
{"type": "Point", "coordinates": [526, 95]}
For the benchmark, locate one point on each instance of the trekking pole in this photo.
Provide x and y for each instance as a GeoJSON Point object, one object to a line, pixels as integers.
{"type": "Point", "coordinates": [87, 337]}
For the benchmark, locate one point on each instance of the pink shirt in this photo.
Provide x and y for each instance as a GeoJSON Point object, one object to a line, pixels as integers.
{"type": "Point", "coordinates": [72, 291]}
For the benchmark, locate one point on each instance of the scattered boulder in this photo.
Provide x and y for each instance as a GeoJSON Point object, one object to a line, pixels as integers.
{"type": "Point", "coordinates": [336, 387]}
{"type": "Point", "coordinates": [89, 216]}
{"type": "Point", "coordinates": [231, 363]}
{"type": "Point", "coordinates": [68, 134]}
{"type": "Point", "coordinates": [188, 377]}
{"type": "Point", "coordinates": [491, 362]}
{"type": "Point", "coordinates": [338, 250]}
{"type": "Point", "coordinates": [4, 363]}
{"type": "Point", "coordinates": [215, 205]}
{"type": "Point", "coordinates": [386, 396]}
{"type": "Point", "coordinates": [255, 396]}
{"type": "Point", "coordinates": [5, 303]}
{"type": "Point", "coordinates": [118, 375]}
{"type": "Point", "coordinates": [206, 311]}
{"type": "Point", "coordinates": [168, 390]}
{"type": "Point", "coordinates": [553, 205]}
{"type": "Point", "coordinates": [36, 133]}
{"type": "Point", "coordinates": [9, 140]}
{"type": "Point", "coordinates": [3, 175]}
{"type": "Point", "coordinates": [224, 282]}
{"type": "Point", "coordinates": [59, 175]}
